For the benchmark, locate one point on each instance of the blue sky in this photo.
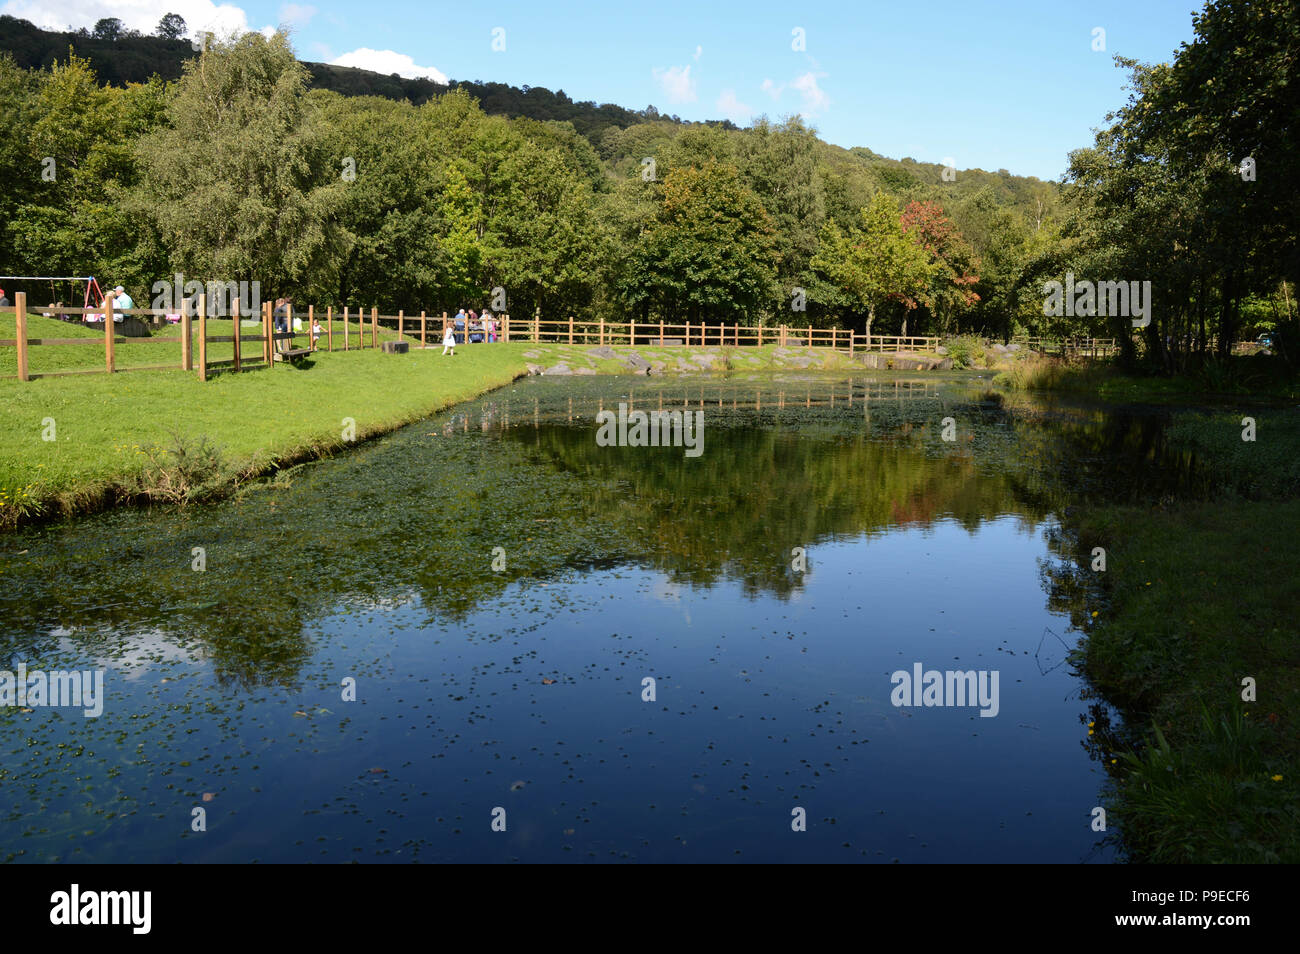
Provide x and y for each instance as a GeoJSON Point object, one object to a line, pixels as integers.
{"type": "Point", "coordinates": [1012, 85]}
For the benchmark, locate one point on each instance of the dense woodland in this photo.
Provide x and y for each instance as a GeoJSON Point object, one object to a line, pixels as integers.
{"type": "Point", "coordinates": [244, 164]}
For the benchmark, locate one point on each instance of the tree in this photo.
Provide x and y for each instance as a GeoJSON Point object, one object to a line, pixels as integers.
{"type": "Point", "coordinates": [952, 287]}
{"type": "Point", "coordinates": [109, 28]}
{"type": "Point", "coordinates": [171, 27]}
{"type": "Point", "coordinates": [876, 261]}
{"type": "Point", "coordinates": [237, 182]}
{"type": "Point", "coordinates": [710, 251]}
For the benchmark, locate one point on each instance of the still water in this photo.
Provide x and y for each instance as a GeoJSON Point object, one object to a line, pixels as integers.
{"type": "Point", "coordinates": [500, 590]}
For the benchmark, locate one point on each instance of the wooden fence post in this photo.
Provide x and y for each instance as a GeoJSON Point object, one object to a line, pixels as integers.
{"type": "Point", "coordinates": [311, 326]}
{"type": "Point", "coordinates": [187, 342]}
{"type": "Point", "coordinates": [631, 334]}
{"type": "Point", "coordinates": [203, 337]}
{"type": "Point", "coordinates": [345, 328]}
{"type": "Point", "coordinates": [374, 327]}
{"type": "Point", "coordinates": [238, 343]}
{"type": "Point", "coordinates": [505, 328]}
{"type": "Point", "coordinates": [401, 323]}
{"type": "Point", "coordinates": [602, 331]}
{"type": "Point", "coordinates": [688, 334]}
{"type": "Point", "coordinates": [329, 327]}
{"type": "Point", "coordinates": [424, 331]}
{"type": "Point", "coordinates": [661, 333]}
{"type": "Point", "coordinates": [109, 357]}
{"type": "Point", "coordinates": [268, 325]}
{"type": "Point", "coordinates": [20, 332]}
{"type": "Point", "coordinates": [570, 329]}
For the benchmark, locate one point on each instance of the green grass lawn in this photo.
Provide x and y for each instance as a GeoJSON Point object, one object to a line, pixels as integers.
{"type": "Point", "coordinates": [107, 426]}
{"type": "Point", "coordinates": [145, 352]}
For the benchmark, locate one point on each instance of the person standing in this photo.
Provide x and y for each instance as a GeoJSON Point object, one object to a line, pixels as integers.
{"type": "Point", "coordinates": [4, 302]}
{"type": "Point", "coordinates": [449, 341]}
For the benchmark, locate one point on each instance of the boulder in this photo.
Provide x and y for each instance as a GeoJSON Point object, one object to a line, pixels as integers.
{"type": "Point", "coordinates": [605, 352]}
{"type": "Point", "coordinates": [560, 368]}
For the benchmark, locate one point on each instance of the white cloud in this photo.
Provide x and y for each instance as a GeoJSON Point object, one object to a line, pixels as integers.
{"type": "Point", "coordinates": [297, 14]}
{"type": "Point", "coordinates": [142, 15]}
{"type": "Point", "coordinates": [699, 50]}
{"type": "Point", "coordinates": [772, 89]}
{"type": "Point", "coordinates": [388, 61]}
{"type": "Point", "coordinates": [677, 83]}
{"type": "Point", "coordinates": [815, 99]}
{"type": "Point", "coordinates": [733, 109]}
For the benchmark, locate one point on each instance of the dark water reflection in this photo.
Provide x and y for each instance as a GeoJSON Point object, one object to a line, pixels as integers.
{"type": "Point", "coordinates": [826, 537]}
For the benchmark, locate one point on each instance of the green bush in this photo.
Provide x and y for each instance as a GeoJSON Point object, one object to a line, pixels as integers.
{"type": "Point", "coordinates": [966, 352]}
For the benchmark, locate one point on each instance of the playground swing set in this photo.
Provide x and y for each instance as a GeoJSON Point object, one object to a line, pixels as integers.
{"type": "Point", "coordinates": [92, 295]}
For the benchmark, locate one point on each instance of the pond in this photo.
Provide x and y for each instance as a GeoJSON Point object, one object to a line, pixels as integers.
{"type": "Point", "coordinates": [491, 620]}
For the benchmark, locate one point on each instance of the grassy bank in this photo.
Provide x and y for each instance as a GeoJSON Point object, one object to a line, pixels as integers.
{"type": "Point", "coordinates": [1198, 598]}
{"type": "Point", "coordinates": [1257, 378]}
{"type": "Point", "coordinates": [166, 435]}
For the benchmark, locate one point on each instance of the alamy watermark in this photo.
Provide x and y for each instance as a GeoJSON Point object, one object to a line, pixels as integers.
{"type": "Point", "coordinates": [651, 429]}
{"type": "Point", "coordinates": [223, 298]}
{"type": "Point", "coordinates": [930, 687]}
{"type": "Point", "coordinates": [84, 690]}
{"type": "Point", "coordinates": [1087, 298]}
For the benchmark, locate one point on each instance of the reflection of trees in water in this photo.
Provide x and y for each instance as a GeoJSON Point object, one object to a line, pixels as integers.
{"type": "Point", "coordinates": [810, 475]}
{"type": "Point", "coordinates": [417, 515]}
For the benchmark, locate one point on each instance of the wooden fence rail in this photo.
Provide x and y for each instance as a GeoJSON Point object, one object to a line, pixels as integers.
{"type": "Point", "coordinates": [349, 324]}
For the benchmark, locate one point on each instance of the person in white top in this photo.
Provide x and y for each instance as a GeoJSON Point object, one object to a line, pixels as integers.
{"type": "Point", "coordinates": [449, 342]}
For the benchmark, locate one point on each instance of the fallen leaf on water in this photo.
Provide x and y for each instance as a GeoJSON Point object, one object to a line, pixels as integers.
{"type": "Point", "coordinates": [548, 682]}
{"type": "Point", "coordinates": [26, 710]}
{"type": "Point", "coordinates": [378, 771]}
{"type": "Point", "coordinates": [301, 713]}
{"type": "Point", "coordinates": [568, 831]}
{"type": "Point", "coordinates": [209, 796]}
{"type": "Point", "coordinates": [516, 786]}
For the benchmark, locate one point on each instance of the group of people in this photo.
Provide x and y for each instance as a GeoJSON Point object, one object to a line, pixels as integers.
{"type": "Point", "coordinates": [466, 325]}
{"type": "Point", "coordinates": [120, 299]}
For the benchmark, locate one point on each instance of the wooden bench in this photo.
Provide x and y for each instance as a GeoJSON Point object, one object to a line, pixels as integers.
{"type": "Point", "coordinates": [284, 350]}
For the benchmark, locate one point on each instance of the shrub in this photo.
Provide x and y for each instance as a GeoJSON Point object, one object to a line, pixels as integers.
{"type": "Point", "coordinates": [183, 472]}
{"type": "Point", "coordinates": [966, 351]}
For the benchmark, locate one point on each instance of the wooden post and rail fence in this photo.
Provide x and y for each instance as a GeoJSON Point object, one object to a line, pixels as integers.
{"type": "Point", "coordinates": [349, 325]}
